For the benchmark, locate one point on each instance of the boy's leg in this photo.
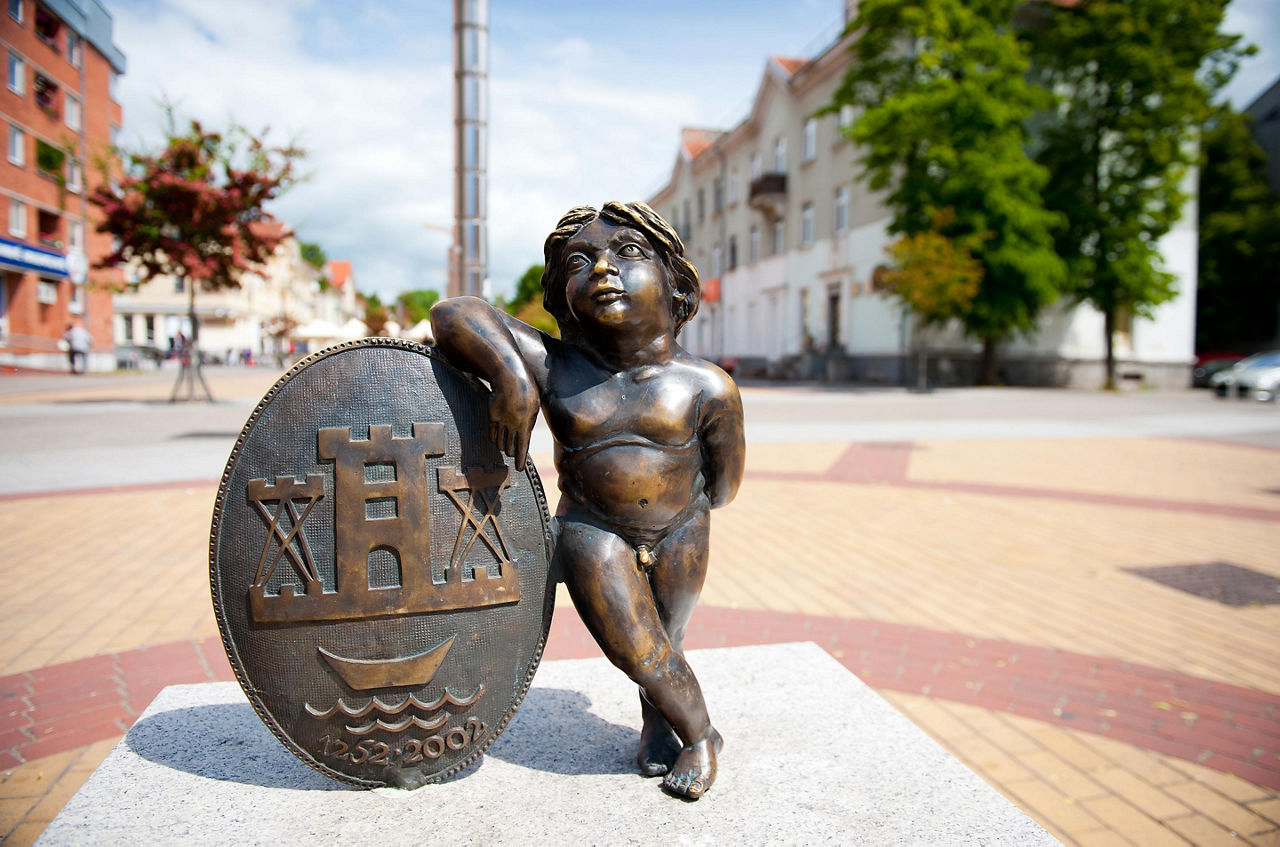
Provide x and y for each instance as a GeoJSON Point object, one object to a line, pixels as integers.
{"type": "Point", "coordinates": [676, 581]}
{"type": "Point", "coordinates": [615, 602]}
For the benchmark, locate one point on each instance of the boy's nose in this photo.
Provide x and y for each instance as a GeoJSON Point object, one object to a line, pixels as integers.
{"type": "Point", "coordinates": [604, 266]}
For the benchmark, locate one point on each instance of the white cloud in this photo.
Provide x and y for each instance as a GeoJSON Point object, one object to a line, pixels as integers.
{"type": "Point", "coordinates": [586, 106]}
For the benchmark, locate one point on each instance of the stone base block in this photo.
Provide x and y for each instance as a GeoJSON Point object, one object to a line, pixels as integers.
{"type": "Point", "coordinates": [812, 755]}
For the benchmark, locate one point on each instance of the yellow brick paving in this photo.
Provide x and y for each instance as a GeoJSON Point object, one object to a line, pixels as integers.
{"type": "Point", "coordinates": [92, 573]}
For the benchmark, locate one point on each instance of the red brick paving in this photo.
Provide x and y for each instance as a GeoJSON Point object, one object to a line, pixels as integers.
{"type": "Point", "coordinates": [1225, 727]}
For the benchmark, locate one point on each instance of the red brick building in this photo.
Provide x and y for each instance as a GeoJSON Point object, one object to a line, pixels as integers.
{"type": "Point", "coordinates": [60, 118]}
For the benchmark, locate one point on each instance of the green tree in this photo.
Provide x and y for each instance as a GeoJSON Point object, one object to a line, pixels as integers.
{"type": "Point", "coordinates": [416, 305]}
{"type": "Point", "coordinates": [1135, 79]}
{"type": "Point", "coordinates": [528, 288]}
{"type": "Point", "coordinates": [943, 87]}
{"type": "Point", "coordinates": [313, 254]}
{"type": "Point", "coordinates": [526, 303]}
{"type": "Point", "coordinates": [376, 314]}
{"type": "Point", "coordinates": [194, 211]}
{"type": "Point", "coordinates": [934, 277]}
{"type": "Point", "coordinates": [1238, 303]}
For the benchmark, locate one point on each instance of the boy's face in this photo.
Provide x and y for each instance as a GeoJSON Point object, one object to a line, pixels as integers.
{"type": "Point", "coordinates": [614, 278]}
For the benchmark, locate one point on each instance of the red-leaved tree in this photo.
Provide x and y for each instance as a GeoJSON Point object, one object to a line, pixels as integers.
{"type": "Point", "coordinates": [197, 210]}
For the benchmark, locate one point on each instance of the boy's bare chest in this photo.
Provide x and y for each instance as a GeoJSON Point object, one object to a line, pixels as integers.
{"type": "Point", "coordinates": [659, 408]}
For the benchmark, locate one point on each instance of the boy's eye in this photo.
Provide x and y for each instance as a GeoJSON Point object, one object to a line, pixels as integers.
{"type": "Point", "coordinates": [631, 251]}
{"type": "Point", "coordinates": [577, 262]}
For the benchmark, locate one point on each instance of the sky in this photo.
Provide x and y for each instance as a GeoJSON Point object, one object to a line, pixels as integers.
{"type": "Point", "coordinates": [586, 102]}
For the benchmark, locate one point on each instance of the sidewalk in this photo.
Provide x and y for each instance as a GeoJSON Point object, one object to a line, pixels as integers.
{"type": "Point", "coordinates": [989, 589]}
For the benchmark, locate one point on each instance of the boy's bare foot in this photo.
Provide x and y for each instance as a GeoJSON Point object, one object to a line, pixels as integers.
{"type": "Point", "coordinates": [659, 747]}
{"type": "Point", "coordinates": [695, 768]}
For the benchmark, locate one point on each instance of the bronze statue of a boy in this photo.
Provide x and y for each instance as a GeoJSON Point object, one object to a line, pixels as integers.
{"type": "Point", "coordinates": [648, 440]}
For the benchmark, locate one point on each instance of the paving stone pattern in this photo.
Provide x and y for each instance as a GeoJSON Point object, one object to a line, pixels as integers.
{"type": "Point", "coordinates": [987, 589]}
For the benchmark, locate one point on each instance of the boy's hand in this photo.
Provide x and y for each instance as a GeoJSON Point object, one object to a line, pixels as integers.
{"type": "Point", "coordinates": [513, 408]}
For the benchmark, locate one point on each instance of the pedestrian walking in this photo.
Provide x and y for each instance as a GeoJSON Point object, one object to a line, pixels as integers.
{"type": "Point", "coordinates": [78, 343]}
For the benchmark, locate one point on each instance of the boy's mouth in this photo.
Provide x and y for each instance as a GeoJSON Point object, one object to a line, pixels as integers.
{"type": "Point", "coordinates": [608, 295]}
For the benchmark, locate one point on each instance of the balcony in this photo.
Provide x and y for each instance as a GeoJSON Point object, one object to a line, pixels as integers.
{"type": "Point", "coordinates": [48, 25]}
{"type": "Point", "coordinates": [49, 230]}
{"type": "Point", "coordinates": [768, 195]}
{"type": "Point", "coordinates": [47, 95]}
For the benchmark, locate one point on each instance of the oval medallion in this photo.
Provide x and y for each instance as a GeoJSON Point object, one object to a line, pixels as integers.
{"type": "Point", "coordinates": [380, 571]}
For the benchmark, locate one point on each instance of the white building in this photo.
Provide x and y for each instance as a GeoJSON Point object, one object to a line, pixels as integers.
{"type": "Point", "coordinates": [258, 316]}
{"type": "Point", "coordinates": [786, 240]}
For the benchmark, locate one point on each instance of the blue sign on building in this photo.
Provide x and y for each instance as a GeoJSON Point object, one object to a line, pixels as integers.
{"type": "Point", "coordinates": [15, 254]}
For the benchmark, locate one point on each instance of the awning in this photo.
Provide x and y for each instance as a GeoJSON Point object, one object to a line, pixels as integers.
{"type": "Point", "coordinates": [23, 257]}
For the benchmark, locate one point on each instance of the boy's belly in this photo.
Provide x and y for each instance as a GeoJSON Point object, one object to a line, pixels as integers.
{"type": "Point", "coordinates": [638, 485]}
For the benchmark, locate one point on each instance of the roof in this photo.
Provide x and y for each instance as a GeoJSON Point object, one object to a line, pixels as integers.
{"type": "Point", "coordinates": [338, 271]}
{"type": "Point", "coordinates": [789, 63]}
{"type": "Point", "coordinates": [697, 141]}
{"type": "Point", "coordinates": [269, 229]}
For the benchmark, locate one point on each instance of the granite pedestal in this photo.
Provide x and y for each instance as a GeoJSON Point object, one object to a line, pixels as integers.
{"type": "Point", "coordinates": [812, 756]}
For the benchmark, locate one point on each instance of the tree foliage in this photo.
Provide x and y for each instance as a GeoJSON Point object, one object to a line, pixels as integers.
{"type": "Point", "coordinates": [526, 303]}
{"type": "Point", "coordinates": [195, 208]}
{"type": "Point", "coordinates": [942, 85]}
{"type": "Point", "coordinates": [1135, 79]}
{"type": "Point", "coordinates": [933, 276]}
{"type": "Point", "coordinates": [416, 305]}
{"type": "Point", "coordinates": [376, 315]}
{"type": "Point", "coordinates": [1238, 304]}
{"type": "Point", "coordinates": [313, 254]}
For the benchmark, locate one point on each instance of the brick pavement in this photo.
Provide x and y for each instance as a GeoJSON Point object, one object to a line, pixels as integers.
{"type": "Point", "coordinates": [1122, 711]}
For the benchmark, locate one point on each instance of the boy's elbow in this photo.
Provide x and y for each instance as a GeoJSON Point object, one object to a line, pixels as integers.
{"type": "Point", "coordinates": [446, 315]}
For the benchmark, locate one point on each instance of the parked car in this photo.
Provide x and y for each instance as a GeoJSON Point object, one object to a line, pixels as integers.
{"type": "Point", "coordinates": [1257, 376]}
{"type": "Point", "coordinates": [1208, 364]}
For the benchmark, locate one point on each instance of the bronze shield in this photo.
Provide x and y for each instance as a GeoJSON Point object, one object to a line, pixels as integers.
{"type": "Point", "coordinates": [380, 571]}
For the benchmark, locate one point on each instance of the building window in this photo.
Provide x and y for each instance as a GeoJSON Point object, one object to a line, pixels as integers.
{"type": "Point", "coordinates": [806, 225]}
{"type": "Point", "coordinates": [846, 116]}
{"type": "Point", "coordinates": [17, 74]}
{"type": "Point", "coordinates": [753, 246]}
{"type": "Point", "coordinates": [780, 155]}
{"type": "Point", "coordinates": [810, 139]}
{"type": "Point", "coordinates": [75, 176]}
{"type": "Point", "coordinates": [76, 306]}
{"type": "Point", "coordinates": [17, 218]}
{"type": "Point", "coordinates": [75, 236]}
{"type": "Point", "coordinates": [178, 284]}
{"type": "Point", "coordinates": [716, 259]}
{"type": "Point", "coordinates": [757, 166]}
{"type": "Point", "coordinates": [702, 205]}
{"type": "Point", "coordinates": [73, 112]}
{"type": "Point", "coordinates": [126, 329]}
{"type": "Point", "coordinates": [717, 195]}
{"type": "Point", "coordinates": [15, 10]}
{"type": "Point", "coordinates": [17, 146]}
{"type": "Point", "coordinates": [75, 49]}
{"type": "Point", "coordinates": [842, 208]}
{"type": "Point", "coordinates": [113, 86]}
{"type": "Point", "coordinates": [47, 292]}
{"type": "Point", "coordinates": [777, 238]}
{"type": "Point", "coordinates": [733, 252]}
{"type": "Point", "coordinates": [149, 326]}
{"type": "Point", "coordinates": [733, 186]}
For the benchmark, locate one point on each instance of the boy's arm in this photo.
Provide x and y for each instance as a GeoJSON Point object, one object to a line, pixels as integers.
{"type": "Point", "coordinates": [496, 347]}
{"type": "Point", "coordinates": [723, 440]}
